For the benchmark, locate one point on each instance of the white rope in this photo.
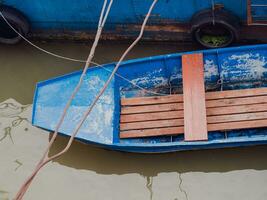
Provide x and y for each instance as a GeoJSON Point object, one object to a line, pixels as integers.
{"type": "Point", "coordinates": [106, 84]}
{"type": "Point", "coordinates": [89, 59]}
{"type": "Point", "coordinates": [97, 65]}
{"type": "Point", "coordinates": [44, 158]}
{"type": "Point", "coordinates": [47, 159]}
{"type": "Point", "coordinates": [141, 88]}
{"type": "Point", "coordinates": [39, 48]}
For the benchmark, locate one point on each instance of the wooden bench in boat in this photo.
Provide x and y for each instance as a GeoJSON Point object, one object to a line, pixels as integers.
{"type": "Point", "coordinates": [226, 110]}
{"type": "Point", "coordinates": [195, 112]}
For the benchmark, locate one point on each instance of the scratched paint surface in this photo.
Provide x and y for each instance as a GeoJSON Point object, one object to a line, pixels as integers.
{"type": "Point", "coordinates": [230, 67]}
{"type": "Point", "coordinates": [258, 10]}
{"type": "Point", "coordinates": [91, 173]}
{"type": "Point", "coordinates": [52, 99]}
{"type": "Point", "coordinates": [84, 14]}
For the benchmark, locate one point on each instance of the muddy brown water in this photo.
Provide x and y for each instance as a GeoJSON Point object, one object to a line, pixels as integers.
{"type": "Point", "coordinates": [87, 172]}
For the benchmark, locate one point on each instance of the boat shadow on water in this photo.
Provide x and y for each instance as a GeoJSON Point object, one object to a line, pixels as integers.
{"type": "Point", "coordinates": [82, 156]}
{"type": "Point", "coordinates": [180, 169]}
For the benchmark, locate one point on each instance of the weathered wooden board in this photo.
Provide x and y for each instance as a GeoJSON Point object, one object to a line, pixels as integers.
{"type": "Point", "coordinates": [247, 109]}
{"type": "Point", "coordinates": [195, 118]}
{"type": "Point", "coordinates": [151, 100]}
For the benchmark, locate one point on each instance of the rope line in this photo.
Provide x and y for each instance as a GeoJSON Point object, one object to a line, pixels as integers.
{"type": "Point", "coordinates": [45, 159]}
{"type": "Point", "coordinates": [97, 65]}
{"type": "Point", "coordinates": [39, 48]}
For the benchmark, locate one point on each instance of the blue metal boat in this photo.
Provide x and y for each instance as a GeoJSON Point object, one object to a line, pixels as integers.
{"type": "Point", "coordinates": [225, 69]}
{"type": "Point", "coordinates": [171, 19]}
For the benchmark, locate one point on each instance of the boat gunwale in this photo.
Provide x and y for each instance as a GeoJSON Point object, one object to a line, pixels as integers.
{"type": "Point", "coordinates": [232, 140]}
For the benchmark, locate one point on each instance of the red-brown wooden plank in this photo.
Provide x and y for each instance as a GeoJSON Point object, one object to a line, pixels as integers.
{"type": "Point", "coordinates": [151, 124]}
{"type": "Point", "coordinates": [179, 98]}
{"type": "Point", "coordinates": [151, 100]}
{"type": "Point", "coordinates": [152, 132]}
{"type": "Point", "coordinates": [179, 114]}
{"type": "Point", "coordinates": [236, 117]}
{"type": "Point", "coordinates": [236, 93]}
{"type": "Point", "coordinates": [195, 122]}
{"type": "Point", "coordinates": [237, 109]}
{"type": "Point", "coordinates": [152, 108]}
{"type": "Point", "coordinates": [151, 116]}
{"type": "Point", "coordinates": [179, 106]}
{"type": "Point", "coordinates": [180, 130]}
{"type": "Point", "coordinates": [236, 101]}
{"type": "Point", "coordinates": [238, 125]}
{"type": "Point", "coordinates": [180, 122]}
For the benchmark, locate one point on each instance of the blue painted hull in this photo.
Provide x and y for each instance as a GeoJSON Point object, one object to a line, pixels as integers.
{"type": "Point", "coordinates": [84, 14]}
{"type": "Point", "coordinates": [170, 20]}
{"type": "Point", "coordinates": [238, 68]}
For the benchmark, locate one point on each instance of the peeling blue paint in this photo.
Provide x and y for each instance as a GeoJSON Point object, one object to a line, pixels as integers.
{"type": "Point", "coordinates": [239, 67]}
{"type": "Point", "coordinates": [84, 14]}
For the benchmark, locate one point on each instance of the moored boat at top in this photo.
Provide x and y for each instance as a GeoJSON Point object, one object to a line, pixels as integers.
{"type": "Point", "coordinates": [239, 70]}
{"type": "Point", "coordinates": [213, 23]}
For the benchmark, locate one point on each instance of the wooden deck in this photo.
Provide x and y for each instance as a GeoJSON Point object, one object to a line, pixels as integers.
{"type": "Point", "coordinates": [195, 117]}
{"type": "Point", "coordinates": [195, 112]}
{"type": "Point", "coordinates": [226, 110]}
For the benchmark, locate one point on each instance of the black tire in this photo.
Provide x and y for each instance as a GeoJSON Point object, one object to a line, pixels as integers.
{"type": "Point", "coordinates": [17, 20]}
{"type": "Point", "coordinates": [215, 29]}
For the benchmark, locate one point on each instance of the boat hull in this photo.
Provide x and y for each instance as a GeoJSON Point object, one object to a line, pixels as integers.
{"type": "Point", "coordinates": [144, 149]}
{"type": "Point", "coordinates": [77, 20]}
{"type": "Point", "coordinates": [225, 69]}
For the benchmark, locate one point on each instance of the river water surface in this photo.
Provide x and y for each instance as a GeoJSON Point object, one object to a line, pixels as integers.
{"type": "Point", "coordinates": [85, 172]}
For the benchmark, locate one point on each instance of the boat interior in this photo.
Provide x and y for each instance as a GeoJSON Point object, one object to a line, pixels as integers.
{"type": "Point", "coordinates": [192, 111]}
{"type": "Point", "coordinates": [155, 101]}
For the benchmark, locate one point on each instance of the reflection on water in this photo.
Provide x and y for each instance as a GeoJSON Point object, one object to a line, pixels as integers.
{"type": "Point", "coordinates": [21, 66]}
{"type": "Point", "coordinates": [86, 172]}
{"type": "Point", "coordinates": [19, 164]}
{"type": "Point", "coordinates": [149, 182]}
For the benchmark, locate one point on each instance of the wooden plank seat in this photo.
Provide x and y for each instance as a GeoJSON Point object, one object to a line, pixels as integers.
{"type": "Point", "coordinates": [195, 117]}
{"type": "Point", "coordinates": [164, 115]}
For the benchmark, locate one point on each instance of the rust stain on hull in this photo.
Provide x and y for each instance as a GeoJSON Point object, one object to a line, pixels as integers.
{"type": "Point", "coordinates": [167, 32]}
{"type": "Point", "coordinates": [178, 28]}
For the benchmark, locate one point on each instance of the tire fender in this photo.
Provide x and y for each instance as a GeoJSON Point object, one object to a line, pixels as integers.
{"type": "Point", "coordinates": [17, 20]}
{"type": "Point", "coordinates": [220, 17]}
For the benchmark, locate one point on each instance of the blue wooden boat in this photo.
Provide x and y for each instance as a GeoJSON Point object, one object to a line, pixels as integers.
{"type": "Point", "coordinates": [227, 69]}
{"type": "Point", "coordinates": [175, 19]}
